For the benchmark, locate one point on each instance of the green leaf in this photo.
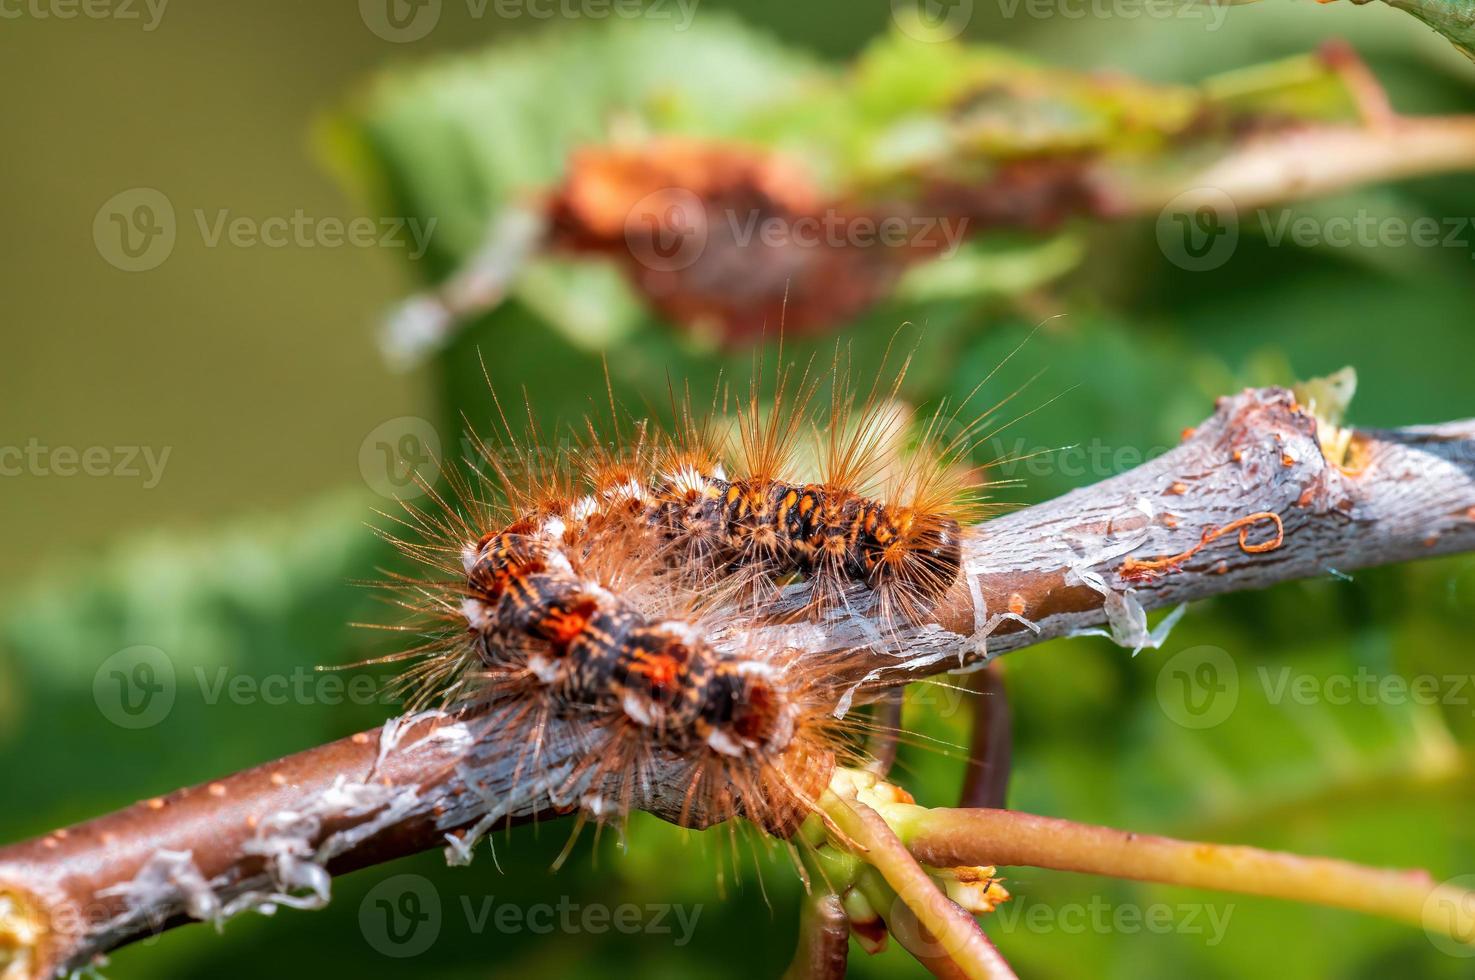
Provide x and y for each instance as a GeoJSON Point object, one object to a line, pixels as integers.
{"type": "Point", "coordinates": [1455, 19]}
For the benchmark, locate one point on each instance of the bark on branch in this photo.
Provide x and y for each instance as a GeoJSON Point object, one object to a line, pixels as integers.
{"type": "Point", "coordinates": [1064, 565]}
{"type": "Point", "coordinates": [1094, 559]}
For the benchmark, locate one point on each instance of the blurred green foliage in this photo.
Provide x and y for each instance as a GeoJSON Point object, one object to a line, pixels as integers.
{"type": "Point", "coordinates": [1141, 352]}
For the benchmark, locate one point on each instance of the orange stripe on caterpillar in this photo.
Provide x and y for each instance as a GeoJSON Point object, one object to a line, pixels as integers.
{"type": "Point", "coordinates": [530, 610]}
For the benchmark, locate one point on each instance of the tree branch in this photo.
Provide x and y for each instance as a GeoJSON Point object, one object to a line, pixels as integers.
{"type": "Point", "coordinates": [273, 835]}
{"type": "Point", "coordinates": [276, 833]}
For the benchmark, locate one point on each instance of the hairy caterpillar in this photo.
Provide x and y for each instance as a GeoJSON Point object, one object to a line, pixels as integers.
{"type": "Point", "coordinates": [613, 583]}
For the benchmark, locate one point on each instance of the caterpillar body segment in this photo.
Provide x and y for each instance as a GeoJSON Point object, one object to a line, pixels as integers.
{"type": "Point", "coordinates": [830, 535]}
{"type": "Point", "coordinates": [595, 651]}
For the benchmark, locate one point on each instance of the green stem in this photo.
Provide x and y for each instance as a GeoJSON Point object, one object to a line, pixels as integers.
{"type": "Point", "coordinates": [956, 944]}
{"type": "Point", "coordinates": [947, 837]}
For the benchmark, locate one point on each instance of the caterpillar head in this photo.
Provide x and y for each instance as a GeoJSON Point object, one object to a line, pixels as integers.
{"type": "Point", "coordinates": [772, 741]}
{"type": "Point", "coordinates": [747, 710]}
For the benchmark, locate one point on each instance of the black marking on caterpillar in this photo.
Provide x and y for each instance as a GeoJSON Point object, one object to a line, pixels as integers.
{"type": "Point", "coordinates": [829, 534]}
{"type": "Point", "coordinates": [593, 650]}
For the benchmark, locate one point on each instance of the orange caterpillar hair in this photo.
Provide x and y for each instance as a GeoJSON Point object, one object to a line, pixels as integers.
{"type": "Point", "coordinates": [613, 585]}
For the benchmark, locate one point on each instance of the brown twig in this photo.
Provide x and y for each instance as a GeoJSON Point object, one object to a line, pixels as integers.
{"type": "Point", "coordinates": [284, 827]}
{"type": "Point", "coordinates": [882, 745]}
{"type": "Point", "coordinates": [990, 756]}
{"type": "Point", "coordinates": [824, 938]}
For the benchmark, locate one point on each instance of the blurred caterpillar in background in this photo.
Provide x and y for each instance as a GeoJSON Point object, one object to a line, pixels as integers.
{"type": "Point", "coordinates": [612, 583]}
